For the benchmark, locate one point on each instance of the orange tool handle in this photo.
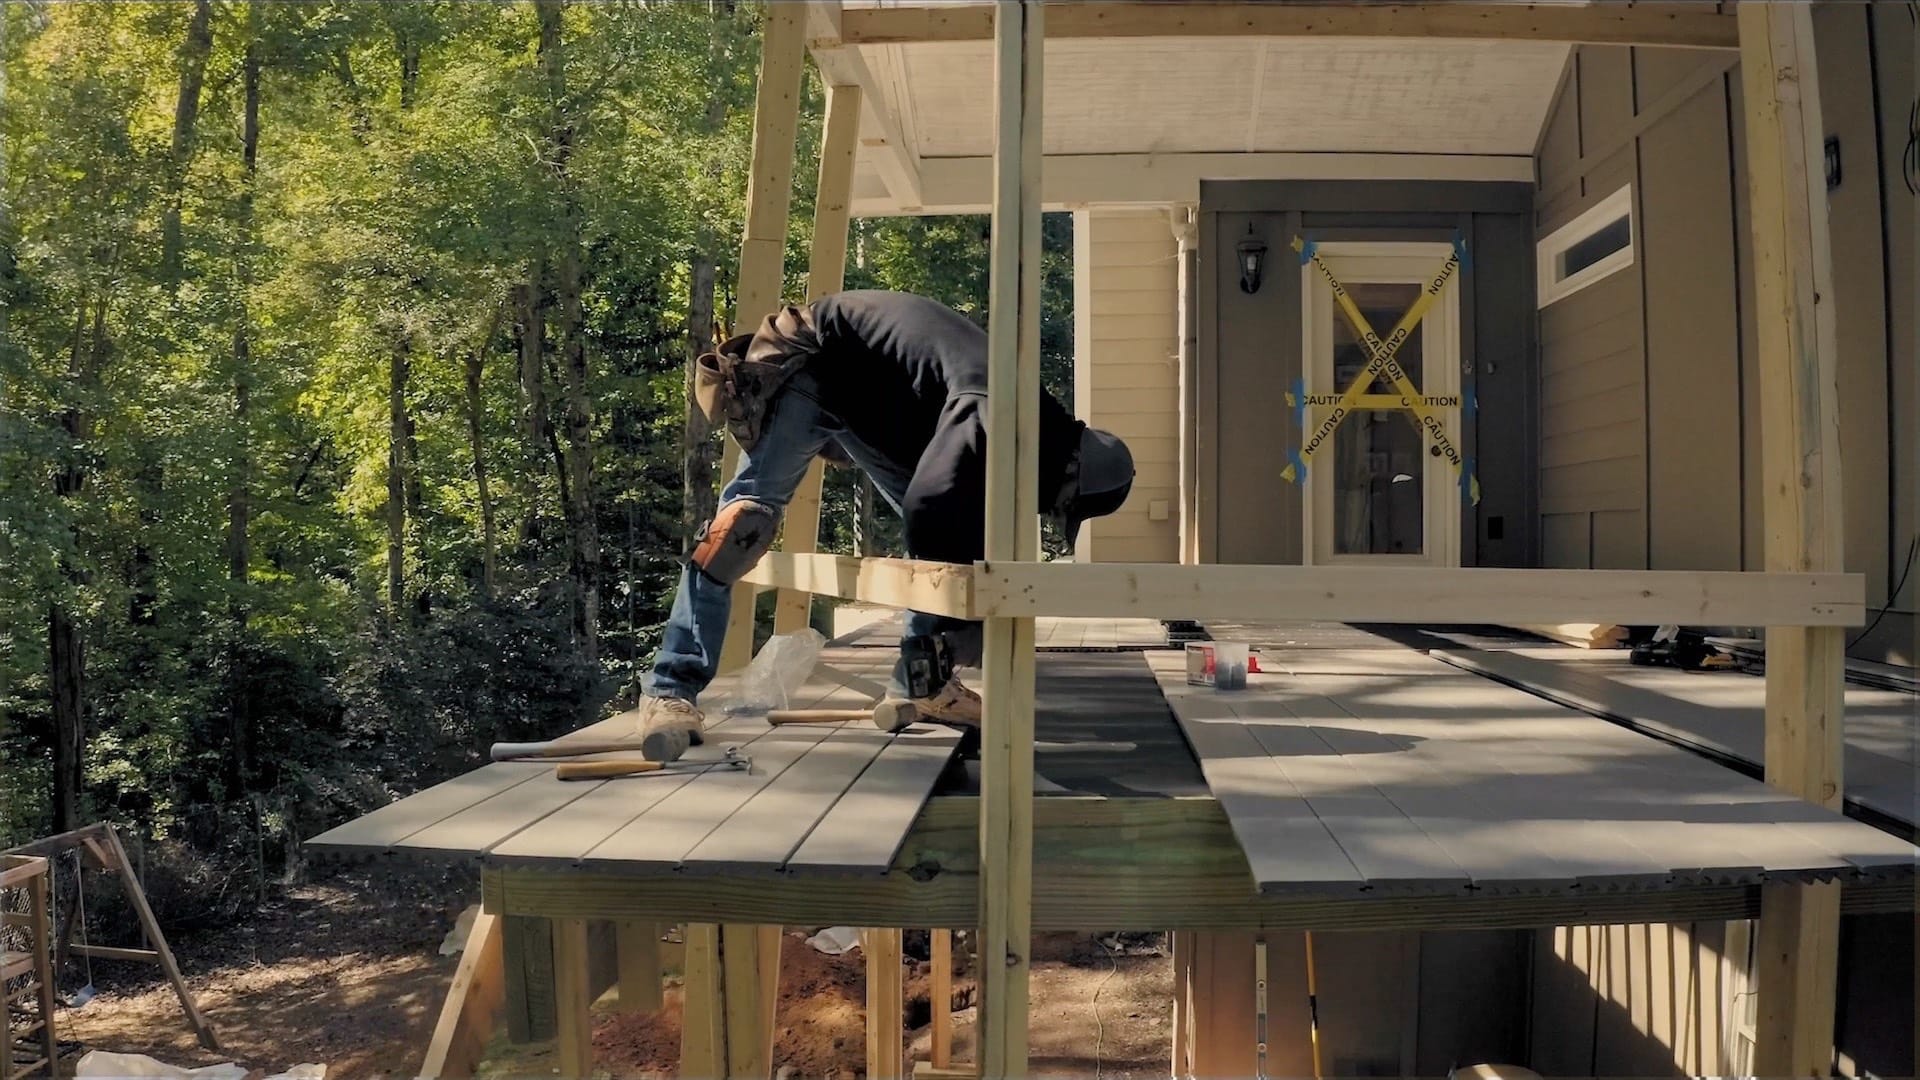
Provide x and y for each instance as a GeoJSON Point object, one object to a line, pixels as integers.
{"type": "Point", "coordinates": [602, 770]}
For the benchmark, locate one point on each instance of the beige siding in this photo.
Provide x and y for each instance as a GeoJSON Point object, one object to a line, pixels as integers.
{"type": "Point", "coordinates": [1126, 374]}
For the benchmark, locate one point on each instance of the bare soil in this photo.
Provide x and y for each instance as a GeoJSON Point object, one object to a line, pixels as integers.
{"type": "Point", "coordinates": [350, 977]}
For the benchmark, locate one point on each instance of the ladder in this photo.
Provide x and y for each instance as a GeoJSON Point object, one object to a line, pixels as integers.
{"type": "Point", "coordinates": [26, 969]}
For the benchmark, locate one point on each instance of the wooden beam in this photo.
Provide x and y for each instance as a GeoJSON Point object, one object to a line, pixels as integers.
{"type": "Point", "coordinates": [637, 944]}
{"type": "Point", "coordinates": [776, 116]}
{"type": "Point", "coordinates": [886, 1004]}
{"type": "Point", "coordinates": [750, 965]}
{"type": "Point", "coordinates": [1797, 957]}
{"type": "Point", "coordinates": [475, 1000]}
{"type": "Point", "coordinates": [113, 952]}
{"type": "Point", "coordinates": [940, 998]}
{"type": "Point", "coordinates": [826, 271]}
{"type": "Point", "coordinates": [842, 65]}
{"type": "Point", "coordinates": [1419, 595]}
{"type": "Point", "coordinates": [572, 1002]}
{"type": "Point", "coordinates": [150, 926]}
{"type": "Point", "coordinates": [940, 588]}
{"type": "Point", "coordinates": [1595, 24]}
{"type": "Point", "coordinates": [964, 185]}
{"type": "Point", "coordinates": [703, 1025]}
{"type": "Point", "coordinates": [526, 943]}
{"type": "Point", "coordinates": [1012, 532]}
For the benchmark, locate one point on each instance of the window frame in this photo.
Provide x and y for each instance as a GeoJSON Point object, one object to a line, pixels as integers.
{"type": "Point", "coordinates": [1550, 286]}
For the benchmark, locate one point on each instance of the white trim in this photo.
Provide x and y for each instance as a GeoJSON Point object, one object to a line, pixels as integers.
{"type": "Point", "coordinates": [1409, 263]}
{"type": "Point", "coordinates": [962, 185]}
{"type": "Point", "coordinates": [1549, 285]}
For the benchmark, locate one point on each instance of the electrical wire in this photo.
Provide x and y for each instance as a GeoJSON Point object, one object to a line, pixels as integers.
{"type": "Point", "coordinates": [1892, 594]}
{"type": "Point", "coordinates": [1099, 1029]}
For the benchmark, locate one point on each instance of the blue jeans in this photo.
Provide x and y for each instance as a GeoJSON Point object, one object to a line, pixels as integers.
{"type": "Point", "coordinates": [795, 430]}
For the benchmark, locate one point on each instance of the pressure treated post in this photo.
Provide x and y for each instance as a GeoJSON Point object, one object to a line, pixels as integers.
{"type": "Point", "coordinates": [1012, 529]}
{"type": "Point", "coordinates": [776, 113]}
{"type": "Point", "coordinates": [826, 271]}
{"type": "Point", "coordinates": [886, 1005]}
{"type": "Point", "coordinates": [1797, 955]}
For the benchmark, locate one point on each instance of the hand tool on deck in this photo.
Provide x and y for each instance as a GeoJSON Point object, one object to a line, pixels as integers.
{"type": "Point", "coordinates": [891, 717]}
{"type": "Point", "coordinates": [523, 751]}
{"type": "Point", "coordinates": [605, 770]}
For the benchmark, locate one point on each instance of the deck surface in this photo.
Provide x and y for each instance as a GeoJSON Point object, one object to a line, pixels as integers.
{"type": "Point", "coordinates": [819, 799]}
{"type": "Point", "coordinates": [1721, 713]}
{"type": "Point", "coordinates": [1384, 770]}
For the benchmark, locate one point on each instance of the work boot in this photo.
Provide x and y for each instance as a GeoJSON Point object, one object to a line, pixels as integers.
{"type": "Point", "coordinates": [668, 726]}
{"type": "Point", "coordinates": [954, 704]}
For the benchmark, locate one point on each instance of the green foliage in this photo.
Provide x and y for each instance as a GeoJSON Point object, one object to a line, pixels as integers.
{"type": "Point", "coordinates": [186, 342]}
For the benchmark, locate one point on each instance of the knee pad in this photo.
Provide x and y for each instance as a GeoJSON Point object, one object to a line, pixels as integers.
{"type": "Point", "coordinates": [733, 542]}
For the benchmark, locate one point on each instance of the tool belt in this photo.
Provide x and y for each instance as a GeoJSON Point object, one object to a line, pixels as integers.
{"type": "Point", "coordinates": [734, 384]}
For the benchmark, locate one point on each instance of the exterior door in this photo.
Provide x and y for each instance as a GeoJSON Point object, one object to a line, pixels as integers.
{"type": "Point", "coordinates": [1377, 494]}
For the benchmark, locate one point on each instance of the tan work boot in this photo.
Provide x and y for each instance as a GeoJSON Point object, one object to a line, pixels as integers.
{"type": "Point", "coordinates": [954, 704]}
{"type": "Point", "coordinates": [668, 726]}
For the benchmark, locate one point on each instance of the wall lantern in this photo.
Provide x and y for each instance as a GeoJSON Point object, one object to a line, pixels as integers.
{"type": "Point", "coordinates": [1253, 258]}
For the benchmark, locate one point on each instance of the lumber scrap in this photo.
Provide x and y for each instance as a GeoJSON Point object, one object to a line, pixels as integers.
{"type": "Point", "coordinates": [1581, 635]}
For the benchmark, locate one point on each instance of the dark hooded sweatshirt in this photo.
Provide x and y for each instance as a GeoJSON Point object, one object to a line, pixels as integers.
{"type": "Point", "coordinates": [907, 376]}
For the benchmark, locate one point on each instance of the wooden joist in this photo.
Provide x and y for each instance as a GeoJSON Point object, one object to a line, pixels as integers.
{"type": "Point", "coordinates": [1697, 26]}
{"type": "Point", "coordinates": [937, 588]}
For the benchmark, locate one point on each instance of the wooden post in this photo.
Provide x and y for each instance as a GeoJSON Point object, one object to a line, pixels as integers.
{"type": "Point", "coordinates": [703, 1034]}
{"type": "Point", "coordinates": [750, 973]}
{"type": "Point", "coordinates": [886, 1020]}
{"type": "Point", "coordinates": [1012, 526]}
{"type": "Point", "coordinates": [940, 999]}
{"type": "Point", "coordinates": [572, 1001]}
{"type": "Point", "coordinates": [1797, 955]}
{"type": "Point", "coordinates": [776, 113]}
{"type": "Point", "coordinates": [826, 272]}
{"type": "Point", "coordinates": [637, 949]}
{"type": "Point", "coordinates": [472, 1010]}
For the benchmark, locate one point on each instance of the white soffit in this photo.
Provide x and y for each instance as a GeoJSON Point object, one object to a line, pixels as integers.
{"type": "Point", "coordinates": [1215, 95]}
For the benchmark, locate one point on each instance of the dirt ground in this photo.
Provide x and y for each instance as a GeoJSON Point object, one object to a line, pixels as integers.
{"type": "Point", "coordinates": [338, 974]}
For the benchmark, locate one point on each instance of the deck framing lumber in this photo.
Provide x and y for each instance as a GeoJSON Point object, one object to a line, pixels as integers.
{"type": "Point", "coordinates": [1798, 937]}
{"type": "Point", "coordinates": [1599, 24]}
{"type": "Point", "coordinates": [475, 1001]}
{"type": "Point", "coordinates": [886, 1003]}
{"type": "Point", "coordinates": [937, 588]}
{"type": "Point", "coordinates": [572, 1000]}
{"type": "Point", "coordinates": [1012, 532]}
{"type": "Point", "coordinates": [637, 945]}
{"type": "Point", "coordinates": [826, 272]}
{"type": "Point", "coordinates": [763, 249]}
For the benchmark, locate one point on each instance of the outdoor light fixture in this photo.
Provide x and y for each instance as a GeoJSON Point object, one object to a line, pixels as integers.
{"type": "Point", "coordinates": [1253, 257]}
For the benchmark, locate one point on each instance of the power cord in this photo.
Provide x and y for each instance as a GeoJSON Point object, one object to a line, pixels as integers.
{"type": "Point", "coordinates": [1099, 1029]}
{"type": "Point", "coordinates": [1892, 594]}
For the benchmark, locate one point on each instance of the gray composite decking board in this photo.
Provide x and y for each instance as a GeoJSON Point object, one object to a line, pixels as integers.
{"type": "Point", "coordinates": [502, 820]}
{"type": "Point", "coordinates": [381, 829]}
{"type": "Point", "coordinates": [764, 833]}
{"type": "Point", "coordinates": [1880, 774]}
{"type": "Point", "coordinates": [1724, 812]}
{"type": "Point", "coordinates": [660, 839]}
{"type": "Point", "coordinates": [866, 827]}
{"type": "Point", "coordinates": [1287, 845]}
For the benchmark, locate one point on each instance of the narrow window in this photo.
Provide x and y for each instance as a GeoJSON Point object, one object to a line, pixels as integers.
{"type": "Point", "coordinates": [1590, 247]}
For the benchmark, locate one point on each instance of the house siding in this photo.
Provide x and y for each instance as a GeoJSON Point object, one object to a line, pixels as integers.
{"type": "Point", "coordinates": [1649, 401]}
{"type": "Point", "coordinates": [1126, 372]}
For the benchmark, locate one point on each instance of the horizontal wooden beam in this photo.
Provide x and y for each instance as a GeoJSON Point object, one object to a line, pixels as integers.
{"type": "Point", "coordinates": [1690, 26]}
{"type": "Point", "coordinates": [936, 588]}
{"type": "Point", "coordinates": [1419, 595]}
{"type": "Point", "coordinates": [1164, 863]}
{"type": "Point", "coordinates": [114, 952]}
{"type": "Point", "coordinates": [963, 185]}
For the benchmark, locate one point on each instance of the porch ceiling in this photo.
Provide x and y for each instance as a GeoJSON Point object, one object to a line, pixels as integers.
{"type": "Point", "coordinates": [1347, 101]}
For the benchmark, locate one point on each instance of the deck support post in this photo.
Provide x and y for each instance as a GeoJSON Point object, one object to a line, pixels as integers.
{"type": "Point", "coordinates": [886, 1005]}
{"type": "Point", "coordinates": [637, 955]}
{"type": "Point", "coordinates": [776, 115]}
{"type": "Point", "coordinates": [1012, 532]}
{"type": "Point", "coordinates": [940, 999]}
{"type": "Point", "coordinates": [826, 272]}
{"type": "Point", "coordinates": [703, 1024]}
{"type": "Point", "coordinates": [1797, 955]}
{"type": "Point", "coordinates": [572, 1000]}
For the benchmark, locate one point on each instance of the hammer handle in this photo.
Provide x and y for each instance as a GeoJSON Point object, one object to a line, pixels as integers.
{"type": "Point", "coordinates": [601, 770]}
{"type": "Point", "coordinates": [817, 716]}
{"type": "Point", "coordinates": [508, 751]}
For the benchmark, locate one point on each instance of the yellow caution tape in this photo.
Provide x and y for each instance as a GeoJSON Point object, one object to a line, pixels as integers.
{"type": "Point", "coordinates": [1381, 361]}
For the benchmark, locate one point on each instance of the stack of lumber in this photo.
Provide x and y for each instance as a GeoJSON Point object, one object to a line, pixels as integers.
{"type": "Point", "coordinates": [1583, 635]}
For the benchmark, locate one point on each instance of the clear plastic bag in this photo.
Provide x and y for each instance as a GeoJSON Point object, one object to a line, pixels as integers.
{"type": "Point", "coordinates": [783, 665]}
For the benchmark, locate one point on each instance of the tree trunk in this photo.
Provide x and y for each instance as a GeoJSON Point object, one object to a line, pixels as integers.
{"type": "Point", "coordinates": [582, 522]}
{"type": "Point", "coordinates": [186, 109]}
{"type": "Point", "coordinates": [66, 648]}
{"type": "Point", "coordinates": [398, 370]}
{"type": "Point", "coordinates": [240, 498]}
{"type": "Point", "coordinates": [699, 452]}
{"type": "Point", "coordinates": [477, 440]}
